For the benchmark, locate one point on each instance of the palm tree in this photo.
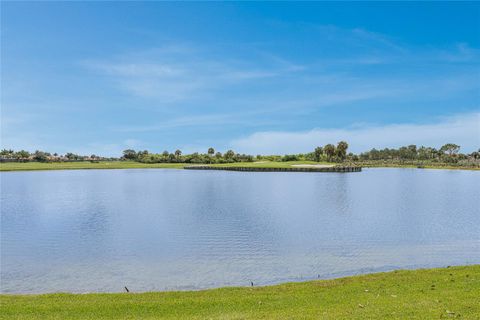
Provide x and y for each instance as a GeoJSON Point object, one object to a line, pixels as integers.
{"type": "Point", "coordinates": [329, 150]}
{"type": "Point", "coordinates": [318, 153]}
{"type": "Point", "coordinates": [341, 151]}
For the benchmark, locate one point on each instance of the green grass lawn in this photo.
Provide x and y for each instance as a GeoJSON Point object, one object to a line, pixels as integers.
{"type": "Point", "coordinates": [269, 164]}
{"type": "Point", "coordinates": [19, 166]}
{"type": "Point", "coordinates": [447, 293]}
{"type": "Point", "coordinates": [425, 166]}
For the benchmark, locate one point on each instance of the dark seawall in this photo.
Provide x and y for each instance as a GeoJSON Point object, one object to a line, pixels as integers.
{"type": "Point", "coordinates": [293, 169]}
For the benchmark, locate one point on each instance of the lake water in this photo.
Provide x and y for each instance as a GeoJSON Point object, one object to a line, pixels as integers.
{"type": "Point", "coordinates": [155, 229]}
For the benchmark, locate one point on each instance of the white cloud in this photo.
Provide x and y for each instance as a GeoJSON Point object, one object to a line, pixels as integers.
{"type": "Point", "coordinates": [172, 76]}
{"type": "Point", "coordinates": [463, 129]}
{"type": "Point", "coordinates": [195, 76]}
{"type": "Point", "coordinates": [190, 121]}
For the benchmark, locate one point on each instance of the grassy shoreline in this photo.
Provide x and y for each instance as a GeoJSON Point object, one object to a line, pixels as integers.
{"type": "Point", "coordinates": [31, 166]}
{"type": "Point", "coordinates": [410, 166]}
{"type": "Point", "coordinates": [406, 294]}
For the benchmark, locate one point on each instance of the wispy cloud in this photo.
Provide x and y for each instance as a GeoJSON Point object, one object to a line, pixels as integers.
{"type": "Point", "coordinates": [463, 129]}
{"type": "Point", "coordinates": [360, 39]}
{"type": "Point", "coordinates": [199, 120]}
{"type": "Point", "coordinates": [244, 119]}
{"type": "Point", "coordinates": [461, 52]}
{"type": "Point", "coordinates": [177, 75]}
{"type": "Point", "coordinates": [344, 66]}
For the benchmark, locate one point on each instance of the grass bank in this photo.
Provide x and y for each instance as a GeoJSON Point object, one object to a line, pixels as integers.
{"type": "Point", "coordinates": [428, 166]}
{"type": "Point", "coordinates": [417, 164]}
{"type": "Point", "coordinates": [19, 166]}
{"type": "Point", "coordinates": [271, 164]}
{"type": "Point", "coordinates": [446, 293]}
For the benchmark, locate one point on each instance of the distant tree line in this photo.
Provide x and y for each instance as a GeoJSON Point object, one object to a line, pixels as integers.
{"type": "Point", "coordinates": [43, 156]}
{"type": "Point", "coordinates": [177, 157]}
{"type": "Point", "coordinates": [447, 154]}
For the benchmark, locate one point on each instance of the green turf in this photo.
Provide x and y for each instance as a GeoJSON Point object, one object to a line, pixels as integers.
{"type": "Point", "coordinates": [448, 293]}
{"type": "Point", "coordinates": [269, 164]}
{"type": "Point", "coordinates": [425, 166]}
{"type": "Point", "coordinates": [19, 166]}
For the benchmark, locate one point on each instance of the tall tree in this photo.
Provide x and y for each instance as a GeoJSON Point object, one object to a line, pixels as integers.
{"type": "Point", "coordinates": [450, 149]}
{"type": "Point", "coordinates": [211, 151]}
{"type": "Point", "coordinates": [475, 155]}
{"type": "Point", "coordinates": [40, 156]}
{"type": "Point", "coordinates": [341, 151]}
{"type": "Point", "coordinates": [7, 153]}
{"type": "Point", "coordinates": [22, 155]}
{"type": "Point", "coordinates": [412, 151]}
{"type": "Point", "coordinates": [128, 154]}
{"type": "Point", "coordinates": [318, 153]}
{"type": "Point", "coordinates": [229, 154]}
{"type": "Point", "coordinates": [329, 151]}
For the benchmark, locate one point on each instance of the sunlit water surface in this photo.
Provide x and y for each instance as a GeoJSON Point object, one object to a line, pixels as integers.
{"type": "Point", "coordinates": [155, 229]}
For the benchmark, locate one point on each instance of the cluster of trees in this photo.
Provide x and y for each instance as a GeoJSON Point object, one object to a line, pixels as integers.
{"type": "Point", "coordinates": [15, 155]}
{"type": "Point", "coordinates": [177, 157]}
{"type": "Point", "coordinates": [329, 152]}
{"type": "Point", "coordinates": [43, 156]}
{"type": "Point", "coordinates": [448, 153]}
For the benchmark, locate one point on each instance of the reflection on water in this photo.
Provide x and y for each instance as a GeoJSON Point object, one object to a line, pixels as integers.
{"type": "Point", "coordinates": [99, 230]}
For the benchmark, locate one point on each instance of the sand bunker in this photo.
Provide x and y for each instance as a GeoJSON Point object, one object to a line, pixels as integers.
{"type": "Point", "coordinates": [313, 165]}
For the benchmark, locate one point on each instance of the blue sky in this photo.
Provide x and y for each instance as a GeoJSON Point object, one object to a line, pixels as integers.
{"type": "Point", "coordinates": [99, 77]}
